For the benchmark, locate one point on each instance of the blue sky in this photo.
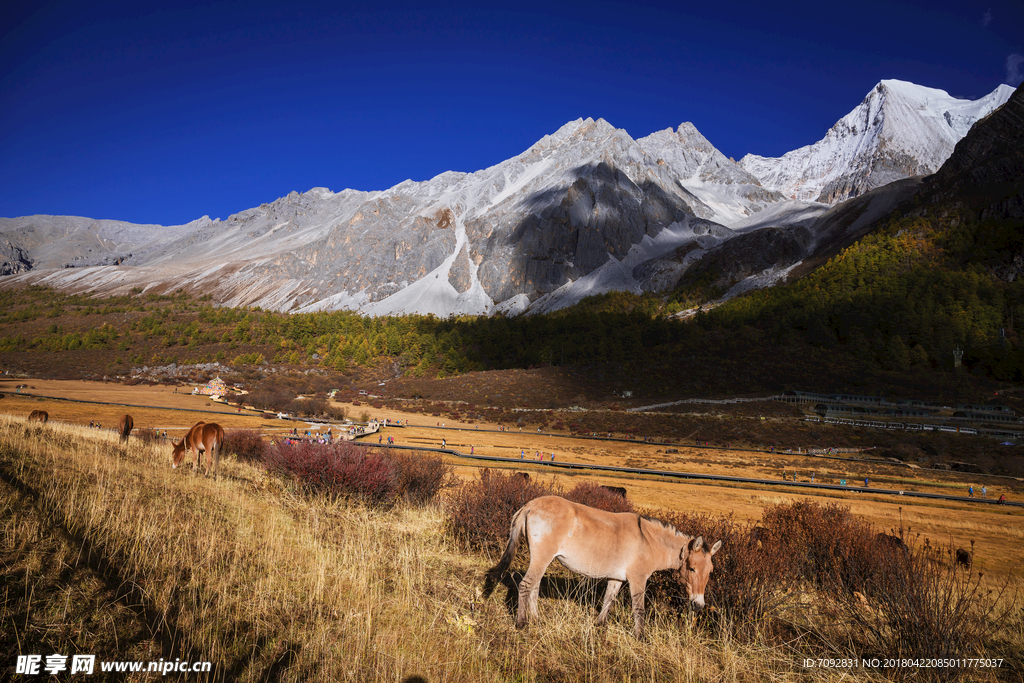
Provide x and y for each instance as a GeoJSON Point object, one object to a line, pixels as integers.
{"type": "Point", "coordinates": [164, 113]}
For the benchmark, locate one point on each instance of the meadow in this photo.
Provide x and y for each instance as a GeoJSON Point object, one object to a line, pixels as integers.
{"type": "Point", "coordinates": [107, 550]}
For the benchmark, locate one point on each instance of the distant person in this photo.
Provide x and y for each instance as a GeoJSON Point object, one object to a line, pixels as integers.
{"type": "Point", "coordinates": [970, 492]}
{"type": "Point", "coordinates": [1002, 499]}
{"type": "Point", "coordinates": [984, 492]}
{"type": "Point", "coordinates": [867, 482]}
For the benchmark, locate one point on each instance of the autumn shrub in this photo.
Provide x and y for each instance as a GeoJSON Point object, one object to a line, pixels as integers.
{"type": "Point", "coordinates": [597, 496]}
{"type": "Point", "coordinates": [247, 444]}
{"type": "Point", "coordinates": [915, 604]}
{"type": "Point", "coordinates": [478, 513]}
{"type": "Point", "coordinates": [270, 398]}
{"type": "Point", "coordinates": [336, 412]}
{"type": "Point", "coordinates": [310, 407]}
{"type": "Point", "coordinates": [338, 470]}
{"type": "Point", "coordinates": [827, 545]}
{"type": "Point", "coordinates": [421, 477]}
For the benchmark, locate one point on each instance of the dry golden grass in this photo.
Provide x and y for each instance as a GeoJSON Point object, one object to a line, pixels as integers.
{"type": "Point", "coordinates": [996, 531]}
{"type": "Point", "coordinates": [267, 583]}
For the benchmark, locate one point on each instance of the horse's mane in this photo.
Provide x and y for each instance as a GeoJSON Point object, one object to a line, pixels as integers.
{"type": "Point", "coordinates": [664, 525]}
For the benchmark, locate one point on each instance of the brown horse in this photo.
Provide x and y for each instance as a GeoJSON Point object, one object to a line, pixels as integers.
{"type": "Point", "coordinates": [201, 438]}
{"type": "Point", "coordinates": [124, 426]}
{"type": "Point", "coordinates": [618, 546]}
{"type": "Point", "coordinates": [38, 416]}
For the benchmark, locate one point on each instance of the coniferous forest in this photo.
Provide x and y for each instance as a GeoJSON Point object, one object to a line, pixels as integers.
{"type": "Point", "coordinates": [893, 306]}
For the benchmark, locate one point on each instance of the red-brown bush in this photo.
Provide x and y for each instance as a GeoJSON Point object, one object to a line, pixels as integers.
{"type": "Point", "coordinates": [380, 478]}
{"type": "Point", "coordinates": [247, 444]}
{"type": "Point", "coordinates": [827, 545]}
{"type": "Point", "coordinates": [479, 512]}
{"type": "Point", "coordinates": [339, 470]}
{"type": "Point", "coordinates": [421, 477]}
{"type": "Point", "coordinates": [597, 496]}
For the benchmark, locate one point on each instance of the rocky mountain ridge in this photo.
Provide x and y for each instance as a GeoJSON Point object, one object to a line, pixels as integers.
{"type": "Point", "coordinates": [583, 211]}
{"type": "Point", "coordinates": [898, 131]}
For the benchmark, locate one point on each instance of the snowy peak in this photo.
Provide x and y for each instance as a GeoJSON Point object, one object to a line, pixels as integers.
{"type": "Point", "coordinates": [899, 130]}
{"type": "Point", "coordinates": [692, 157]}
{"type": "Point", "coordinates": [732, 194]}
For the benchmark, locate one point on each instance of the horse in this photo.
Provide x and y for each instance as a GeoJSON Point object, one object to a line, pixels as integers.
{"type": "Point", "coordinates": [618, 546]}
{"type": "Point", "coordinates": [963, 558]}
{"type": "Point", "coordinates": [38, 416]}
{"type": "Point", "coordinates": [201, 438]}
{"type": "Point", "coordinates": [124, 426]}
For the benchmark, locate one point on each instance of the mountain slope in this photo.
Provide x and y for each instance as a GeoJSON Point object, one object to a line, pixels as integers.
{"type": "Point", "coordinates": [506, 236]}
{"type": "Point", "coordinates": [899, 130]}
{"type": "Point", "coordinates": [732, 193]}
{"type": "Point", "coordinates": [913, 270]}
{"type": "Point", "coordinates": [585, 210]}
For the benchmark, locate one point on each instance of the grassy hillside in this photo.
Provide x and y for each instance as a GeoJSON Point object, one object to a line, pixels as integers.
{"type": "Point", "coordinates": [269, 583]}
{"type": "Point", "coordinates": [905, 297]}
{"type": "Point", "coordinates": [762, 343]}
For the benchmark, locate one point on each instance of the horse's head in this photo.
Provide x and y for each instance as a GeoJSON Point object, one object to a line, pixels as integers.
{"type": "Point", "coordinates": [178, 454]}
{"type": "Point", "coordinates": [695, 568]}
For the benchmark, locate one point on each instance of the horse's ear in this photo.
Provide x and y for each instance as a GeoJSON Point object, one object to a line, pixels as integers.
{"type": "Point", "coordinates": [716, 547]}
{"type": "Point", "coordinates": [697, 544]}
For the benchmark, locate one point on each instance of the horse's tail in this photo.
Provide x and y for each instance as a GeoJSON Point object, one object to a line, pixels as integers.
{"type": "Point", "coordinates": [494, 573]}
{"type": "Point", "coordinates": [218, 444]}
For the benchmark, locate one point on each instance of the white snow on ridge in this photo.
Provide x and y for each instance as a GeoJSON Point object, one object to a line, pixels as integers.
{"type": "Point", "coordinates": [613, 276]}
{"type": "Point", "coordinates": [909, 125]}
{"type": "Point", "coordinates": [789, 212]}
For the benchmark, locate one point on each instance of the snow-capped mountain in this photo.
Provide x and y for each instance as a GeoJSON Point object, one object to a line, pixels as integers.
{"type": "Point", "coordinates": [899, 130]}
{"type": "Point", "coordinates": [573, 214]}
{"type": "Point", "coordinates": [585, 210]}
{"type": "Point", "coordinates": [720, 183]}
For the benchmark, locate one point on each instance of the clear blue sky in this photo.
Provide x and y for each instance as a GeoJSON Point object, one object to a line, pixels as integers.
{"type": "Point", "coordinates": [162, 115]}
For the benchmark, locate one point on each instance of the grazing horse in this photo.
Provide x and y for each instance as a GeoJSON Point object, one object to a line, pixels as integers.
{"type": "Point", "coordinates": [124, 426]}
{"type": "Point", "coordinates": [201, 438]}
{"type": "Point", "coordinates": [963, 558]}
{"type": "Point", "coordinates": [38, 416]}
{"type": "Point", "coordinates": [618, 546]}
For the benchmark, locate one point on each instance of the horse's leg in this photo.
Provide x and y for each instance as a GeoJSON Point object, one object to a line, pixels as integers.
{"type": "Point", "coordinates": [529, 587]}
{"type": "Point", "coordinates": [639, 613]}
{"type": "Point", "coordinates": [609, 597]}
